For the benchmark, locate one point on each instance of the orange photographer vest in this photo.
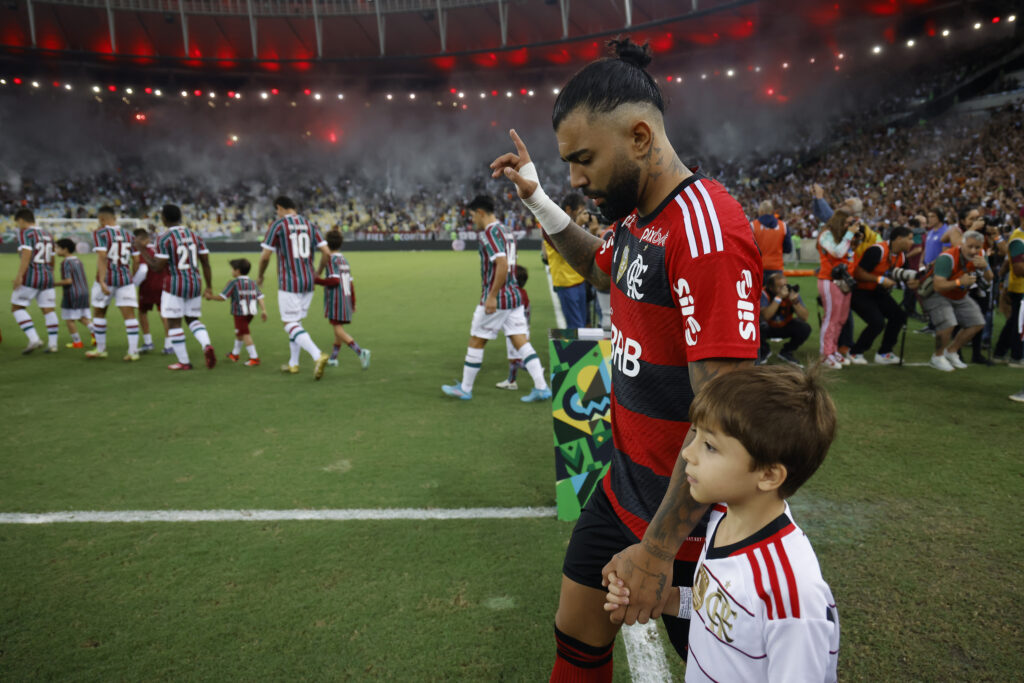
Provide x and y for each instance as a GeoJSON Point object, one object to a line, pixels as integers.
{"type": "Point", "coordinates": [885, 264]}
{"type": "Point", "coordinates": [769, 241]}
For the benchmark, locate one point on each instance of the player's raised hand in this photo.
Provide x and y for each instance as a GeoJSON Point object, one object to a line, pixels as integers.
{"type": "Point", "coordinates": [509, 165]}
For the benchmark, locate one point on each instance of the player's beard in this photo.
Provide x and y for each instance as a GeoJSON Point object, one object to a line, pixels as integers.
{"type": "Point", "coordinates": [622, 194]}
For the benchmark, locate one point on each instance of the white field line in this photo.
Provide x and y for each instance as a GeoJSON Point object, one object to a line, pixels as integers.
{"type": "Point", "coordinates": [101, 516]}
{"type": "Point", "coordinates": [646, 656]}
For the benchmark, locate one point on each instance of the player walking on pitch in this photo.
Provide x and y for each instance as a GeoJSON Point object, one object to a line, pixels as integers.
{"type": "Point", "coordinates": [181, 251]}
{"type": "Point", "coordinates": [685, 277]}
{"type": "Point", "coordinates": [500, 308]}
{"type": "Point", "coordinates": [294, 238]}
{"type": "Point", "coordinates": [115, 260]}
{"type": "Point", "coordinates": [34, 281]}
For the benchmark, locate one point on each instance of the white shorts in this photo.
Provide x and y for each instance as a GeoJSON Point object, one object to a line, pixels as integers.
{"type": "Point", "coordinates": [23, 296]}
{"type": "Point", "coordinates": [122, 296]}
{"type": "Point", "coordinates": [172, 306]}
{"type": "Point", "coordinates": [293, 305]}
{"type": "Point", "coordinates": [507, 320]}
{"type": "Point", "coordinates": [74, 313]}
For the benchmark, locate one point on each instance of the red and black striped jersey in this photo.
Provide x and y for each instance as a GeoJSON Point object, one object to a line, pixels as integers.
{"type": "Point", "coordinates": [40, 266]}
{"type": "Point", "coordinates": [761, 609]}
{"type": "Point", "coordinates": [686, 286]}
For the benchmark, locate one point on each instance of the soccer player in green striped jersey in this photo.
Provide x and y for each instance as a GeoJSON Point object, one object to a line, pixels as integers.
{"type": "Point", "coordinates": [500, 308]}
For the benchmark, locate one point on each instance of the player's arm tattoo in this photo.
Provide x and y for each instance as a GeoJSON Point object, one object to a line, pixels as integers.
{"type": "Point", "coordinates": [578, 247]}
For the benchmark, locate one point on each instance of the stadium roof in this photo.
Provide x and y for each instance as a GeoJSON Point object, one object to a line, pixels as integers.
{"type": "Point", "coordinates": [436, 36]}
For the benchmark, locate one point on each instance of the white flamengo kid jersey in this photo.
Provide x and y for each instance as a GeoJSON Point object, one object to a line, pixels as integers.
{"type": "Point", "coordinates": [761, 611]}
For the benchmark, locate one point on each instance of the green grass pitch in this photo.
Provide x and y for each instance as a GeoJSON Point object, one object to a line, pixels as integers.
{"type": "Point", "coordinates": [914, 515]}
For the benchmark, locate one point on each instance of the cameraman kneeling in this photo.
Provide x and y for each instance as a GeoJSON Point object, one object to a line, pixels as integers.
{"type": "Point", "coordinates": [783, 315]}
{"type": "Point", "coordinates": [880, 267]}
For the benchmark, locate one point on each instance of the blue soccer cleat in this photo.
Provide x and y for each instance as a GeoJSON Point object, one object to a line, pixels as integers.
{"type": "Point", "coordinates": [456, 391]}
{"type": "Point", "coordinates": [536, 395]}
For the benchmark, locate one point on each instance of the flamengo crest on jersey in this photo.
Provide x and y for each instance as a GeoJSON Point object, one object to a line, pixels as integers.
{"type": "Point", "coordinates": [683, 289]}
{"type": "Point", "coordinates": [295, 240]}
{"type": "Point", "coordinates": [182, 247]}
{"type": "Point", "coordinates": [76, 295]}
{"type": "Point", "coordinates": [761, 609]}
{"type": "Point", "coordinates": [244, 295]}
{"type": "Point", "coordinates": [40, 266]}
{"type": "Point", "coordinates": [495, 242]}
{"type": "Point", "coordinates": [117, 243]}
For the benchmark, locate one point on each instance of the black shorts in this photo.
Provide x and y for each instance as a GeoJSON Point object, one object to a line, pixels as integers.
{"type": "Point", "coordinates": [598, 535]}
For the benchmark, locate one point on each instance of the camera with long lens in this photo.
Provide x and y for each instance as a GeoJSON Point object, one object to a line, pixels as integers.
{"type": "Point", "coordinates": [842, 277]}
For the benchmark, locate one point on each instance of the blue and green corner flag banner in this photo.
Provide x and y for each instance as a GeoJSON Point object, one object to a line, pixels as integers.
{"type": "Point", "coordinates": [581, 406]}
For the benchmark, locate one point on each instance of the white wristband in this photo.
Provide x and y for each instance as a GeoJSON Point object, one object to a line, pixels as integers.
{"type": "Point", "coordinates": [685, 602]}
{"type": "Point", "coordinates": [550, 216]}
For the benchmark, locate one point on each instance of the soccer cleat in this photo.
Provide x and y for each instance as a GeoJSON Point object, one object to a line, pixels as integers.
{"type": "Point", "coordinates": [954, 360]}
{"type": "Point", "coordinates": [332, 362]}
{"type": "Point", "coordinates": [364, 358]}
{"type": "Point", "coordinates": [844, 358]}
{"type": "Point", "coordinates": [95, 354]}
{"type": "Point", "coordinates": [233, 357]}
{"type": "Point", "coordinates": [1018, 397]}
{"type": "Point", "coordinates": [50, 349]}
{"type": "Point", "coordinates": [940, 363]}
{"type": "Point", "coordinates": [166, 351]}
{"type": "Point", "coordinates": [74, 345]}
{"type": "Point", "coordinates": [211, 356]}
{"type": "Point", "coordinates": [455, 391]}
{"type": "Point", "coordinates": [505, 384]}
{"type": "Point", "coordinates": [32, 346]}
{"type": "Point", "coordinates": [252, 362]}
{"type": "Point", "coordinates": [1017, 364]}
{"type": "Point", "coordinates": [790, 358]}
{"type": "Point", "coordinates": [291, 369]}
{"type": "Point", "coordinates": [536, 395]}
{"type": "Point", "coordinates": [145, 348]}
{"type": "Point", "coordinates": [132, 357]}
{"type": "Point", "coordinates": [321, 363]}
{"type": "Point", "coordinates": [93, 342]}
{"type": "Point", "coordinates": [887, 358]}
{"type": "Point", "coordinates": [179, 366]}
{"type": "Point", "coordinates": [857, 359]}
{"type": "Point", "coordinates": [831, 363]}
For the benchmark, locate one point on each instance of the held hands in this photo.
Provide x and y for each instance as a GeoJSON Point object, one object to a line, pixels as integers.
{"type": "Point", "coordinates": [648, 580]}
{"type": "Point", "coordinates": [509, 165]}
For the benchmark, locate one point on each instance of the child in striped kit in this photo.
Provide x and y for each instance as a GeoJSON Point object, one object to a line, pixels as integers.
{"type": "Point", "coordinates": [74, 305]}
{"type": "Point", "coordinates": [245, 297]}
{"type": "Point", "coordinates": [340, 300]}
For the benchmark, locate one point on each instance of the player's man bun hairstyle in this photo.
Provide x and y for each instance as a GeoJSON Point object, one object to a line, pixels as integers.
{"type": "Point", "coordinates": [481, 201]}
{"type": "Point", "coordinates": [25, 215]}
{"type": "Point", "coordinates": [608, 83]}
{"type": "Point", "coordinates": [285, 203]}
{"type": "Point", "coordinates": [171, 214]}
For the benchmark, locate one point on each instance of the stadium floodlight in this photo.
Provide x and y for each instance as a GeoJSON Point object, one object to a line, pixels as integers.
{"type": "Point", "coordinates": [730, 73]}
{"type": "Point", "coordinates": [461, 95]}
{"type": "Point", "coordinates": [945, 33]}
{"type": "Point", "coordinates": [529, 93]}
{"type": "Point", "coordinates": [234, 138]}
{"type": "Point", "coordinates": [703, 77]}
{"type": "Point", "coordinates": [812, 60]}
{"type": "Point", "coordinates": [238, 95]}
{"type": "Point", "coordinates": [757, 70]}
{"type": "Point", "coordinates": [679, 79]}
{"type": "Point", "coordinates": [316, 96]}
{"type": "Point", "coordinates": [555, 91]}
{"type": "Point", "coordinates": [389, 97]}
{"type": "Point", "coordinates": [95, 88]}
{"type": "Point", "coordinates": [212, 94]}
{"type": "Point", "coordinates": [785, 65]}
{"type": "Point", "coordinates": [184, 93]}
{"type": "Point", "coordinates": [977, 26]}
{"type": "Point", "coordinates": [341, 96]}
{"type": "Point", "coordinates": [877, 49]}
{"type": "Point", "coordinates": [910, 43]}
{"type": "Point", "coordinates": [412, 96]}
{"type": "Point", "coordinates": [129, 91]}
{"type": "Point", "coordinates": [35, 84]}
{"type": "Point", "coordinates": [67, 86]}
{"type": "Point", "coordinates": [483, 95]}
{"type": "Point", "coordinates": [841, 55]}
{"type": "Point", "coordinates": [3, 81]}
{"type": "Point", "coordinates": [1012, 18]}
{"type": "Point", "coordinates": [158, 93]}
{"type": "Point", "coordinates": [508, 93]}
{"type": "Point", "coordinates": [264, 94]}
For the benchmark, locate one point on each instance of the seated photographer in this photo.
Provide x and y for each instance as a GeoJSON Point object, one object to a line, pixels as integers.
{"type": "Point", "coordinates": [877, 271]}
{"type": "Point", "coordinates": [783, 315]}
{"type": "Point", "coordinates": [946, 301]}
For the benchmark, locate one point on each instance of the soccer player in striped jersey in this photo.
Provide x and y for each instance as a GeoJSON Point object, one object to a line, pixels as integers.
{"type": "Point", "coordinates": [294, 239]}
{"type": "Point", "coordinates": [500, 308]}
{"type": "Point", "coordinates": [340, 300]}
{"type": "Point", "coordinates": [34, 281]}
{"type": "Point", "coordinates": [761, 610]}
{"type": "Point", "coordinates": [115, 262]}
{"type": "Point", "coordinates": [74, 305]}
{"type": "Point", "coordinates": [246, 299]}
{"type": "Point", "coordinates": [182, 252]}
{"type": "Point", "coordinates": [684, 274]}
{"type": "Point", "coordinates": [515, 358]}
